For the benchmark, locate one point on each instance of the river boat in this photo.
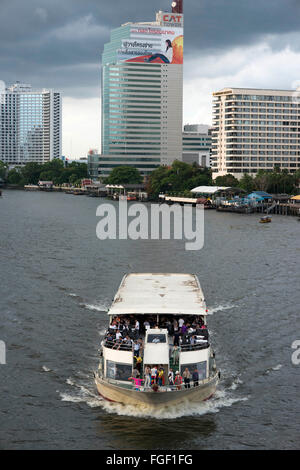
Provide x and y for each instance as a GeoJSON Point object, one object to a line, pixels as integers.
{"type": "Point", "coordinates": [265, 220]}
{"type": "Point", "coordinates": [164, 315]}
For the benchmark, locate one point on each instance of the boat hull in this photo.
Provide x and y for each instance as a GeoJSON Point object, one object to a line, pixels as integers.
{"type": "Point", "coordinates": [118, 394]}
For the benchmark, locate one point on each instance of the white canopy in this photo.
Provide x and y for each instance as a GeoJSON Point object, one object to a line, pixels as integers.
{"type": "Point", "coordinates": [209, 189]}
{"type": "Point", "coordinates": [159, 293]}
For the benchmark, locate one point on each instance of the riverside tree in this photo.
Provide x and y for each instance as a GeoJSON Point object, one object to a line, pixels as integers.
{"type": "Point", "coordinates": [180, 177]}
{"type": "Point", "coordinates": [124, 175]}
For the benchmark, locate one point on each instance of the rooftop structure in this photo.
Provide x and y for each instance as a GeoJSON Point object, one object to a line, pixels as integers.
{"type": "Point", "coordinates": [155, 293]}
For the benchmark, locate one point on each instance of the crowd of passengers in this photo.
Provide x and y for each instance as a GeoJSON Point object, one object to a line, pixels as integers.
{"type": "Point", "coordinates": [155, 377]}
{"type": "Point", "coordinates": [129, 330]}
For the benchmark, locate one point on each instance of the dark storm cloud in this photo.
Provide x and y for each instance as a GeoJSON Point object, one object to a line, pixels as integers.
{"type": "Point", "coordinates": [58, 43]}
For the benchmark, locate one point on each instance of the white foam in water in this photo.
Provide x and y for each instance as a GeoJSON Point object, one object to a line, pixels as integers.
{"type": "Point", "coordinates": [236, 383]}
{"type": "Point", "coordinates": [98, 308]}
{"type": "Point", "coordinates": [278, 367]}
{"type": "Point", "coordinates": [84, 395]}
{"type": "Point", "coordinates": [220, 308]}
{"type": "Point", "coordinates": [221, 399]}
{"type": "Point", "coordinates": [213, 405]}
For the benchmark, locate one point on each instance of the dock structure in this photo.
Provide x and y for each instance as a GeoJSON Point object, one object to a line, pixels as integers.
{"type": "Point", "coordinates": [279, 209]}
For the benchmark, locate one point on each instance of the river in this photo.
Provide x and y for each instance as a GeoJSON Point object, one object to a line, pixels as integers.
{"type": "Point", "coordinates": [57, 279]}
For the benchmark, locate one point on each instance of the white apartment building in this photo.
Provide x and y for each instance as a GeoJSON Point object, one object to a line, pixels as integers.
{"type": "Point", "coordinates": [255, 129]}
{"type": "Point", "coordinates": [30, 125]}
{"type": "Point", "coordinates": [142, 93]}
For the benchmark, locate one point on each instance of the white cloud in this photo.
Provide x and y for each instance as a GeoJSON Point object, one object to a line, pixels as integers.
{"type": "Point", "coordinates": [253, 67]}
{"type": "Point", "coordinates": [81, 126]}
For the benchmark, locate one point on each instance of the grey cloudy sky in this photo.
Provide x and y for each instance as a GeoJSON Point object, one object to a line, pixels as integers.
{"type": "Point", "coordinates": [58, 44]}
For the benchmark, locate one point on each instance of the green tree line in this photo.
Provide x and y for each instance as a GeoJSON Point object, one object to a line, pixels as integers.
{"type": "Point", "coordinates": [180, 178]}
{"type": "Point", "coordinates": [55, 171]}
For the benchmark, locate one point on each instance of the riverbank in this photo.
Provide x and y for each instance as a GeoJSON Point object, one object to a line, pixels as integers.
{"type": "Point", "coordinates": [291, 209]}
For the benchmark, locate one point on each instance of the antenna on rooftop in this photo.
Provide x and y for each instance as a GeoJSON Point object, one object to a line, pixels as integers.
{"type": "Point", "coordinates": [177, 6]}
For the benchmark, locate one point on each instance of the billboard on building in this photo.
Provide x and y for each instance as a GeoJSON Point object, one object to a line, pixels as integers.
{"type": "Point", "coordinates": [154, 44]}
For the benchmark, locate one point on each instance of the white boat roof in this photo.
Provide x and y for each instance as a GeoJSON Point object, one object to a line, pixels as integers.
{"type": "Point", "coordinates": [208, 189]}
{"type": "Point", "coordinates": [159, 293]}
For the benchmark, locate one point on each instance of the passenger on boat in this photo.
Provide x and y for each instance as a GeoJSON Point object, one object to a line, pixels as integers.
{"type": "Point", "coordinates": [118, 340]}
{"type": "Point", "coordinates": [135, 373]}
{"type": "Point", "coordinates": [192, 340]}
{"type": "Point", "coordinates": [153, 374]}
{"type": "Point", "coordinates": [178, 380]}
{"type": "Point", "coordinates": [136, 348]}
{"type": "Point", "coordinates": [137, 382]}
{"type": "Point", "coordinates": [187, 377]}
{"type": "Point", "coordinates": [127, 341]}
{"type": "Point", "coordinates": [161, 378]}
{"type": "Point", "coordinates": [138, 363]}
{"type": "Point", "coordinates": [171, 377]}
{"type": "Point", "coordinates": [183, 329]}
{"type": "Point", "coordinates": [204, 332]}
{"type": "Point", "coordinates": [147, 376]}
{"type": "Point", "coordinates": [176, 338]}
{"type": "Point", "coordinates": [141, 343]}
{"type": "Point", "coordinates": [175, 353]}
{"type": "Point", "coordinates": [195, 378]}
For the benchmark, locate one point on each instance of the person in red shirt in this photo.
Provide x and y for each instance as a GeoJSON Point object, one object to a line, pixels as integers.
{"type": "Point", "coordinates": [178, 380]}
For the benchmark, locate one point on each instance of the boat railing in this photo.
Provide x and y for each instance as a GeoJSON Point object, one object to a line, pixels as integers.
{"type": "Point", "coordinates": [194, 347]}
{"type": "Point", "coordinates": [162, 388]}
{"type": "Point", "coordinates": [117, 345]}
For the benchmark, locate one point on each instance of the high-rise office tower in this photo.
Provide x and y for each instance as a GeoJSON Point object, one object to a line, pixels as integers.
{"type": "Point", "coordinates": [30, 125]}
{"type": "Point", "coordinates": [142, 80]}
{"type": "Point", "coordinates": [196, 144]}
{"type": "Point", "coordinates": [255, 130]}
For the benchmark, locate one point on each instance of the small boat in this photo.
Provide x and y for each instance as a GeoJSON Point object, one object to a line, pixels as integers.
{"type": "Point", "coordinates": [131, 197]}
{"type": "Point", "coordinates": [157, 322]}
{"type": "Point", "coordinates": [265, 220]}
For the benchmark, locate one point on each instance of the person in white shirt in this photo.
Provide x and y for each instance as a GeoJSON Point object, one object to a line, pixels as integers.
{"type": "Point", "coordinates": [147, 382]}
{"type": "Point", "coordinates": [180, 322]}
{"type": "Point", "coordinates": [166, 57]}
{"type": "Point", "coordinates": [153, 374]}
{"type": "Point", "coordinates": [118, 335]}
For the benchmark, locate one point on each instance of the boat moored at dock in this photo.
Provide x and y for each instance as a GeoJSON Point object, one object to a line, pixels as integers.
{"type": "Point", "coordinates": [157, 350]}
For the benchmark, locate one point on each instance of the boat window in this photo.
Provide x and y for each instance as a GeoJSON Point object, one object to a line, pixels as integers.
{"type": "Point", "coordinates": [200, 366]}
{"type": "Point", "coordinates": [117, 371]}
{"type": "Point", "coordinates": [156, 338]}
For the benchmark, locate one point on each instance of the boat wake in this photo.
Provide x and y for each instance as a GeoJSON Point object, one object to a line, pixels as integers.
{"type": "Point", "coordinates": [219, 308]}
{"type": "Point", "coordinates": [220, 400]}
{"type": "Point", "coordinates": [82, 395]}
{"type": "Point", "coordinates": [275, 368]}
{"type": "Point", "coordinates": [98, 308]}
